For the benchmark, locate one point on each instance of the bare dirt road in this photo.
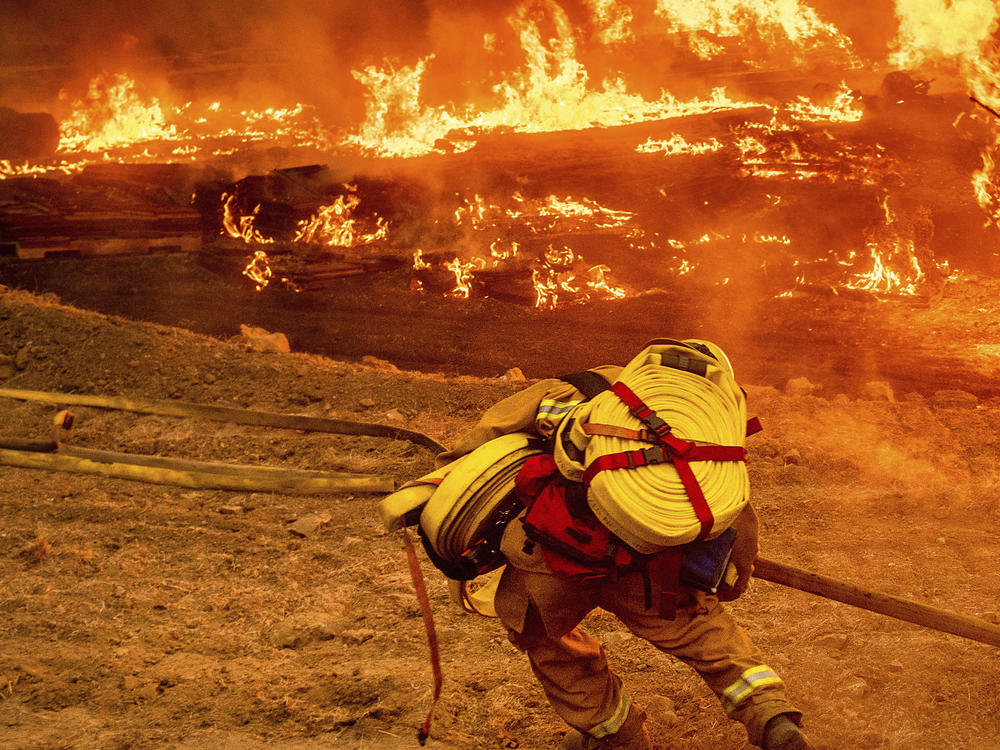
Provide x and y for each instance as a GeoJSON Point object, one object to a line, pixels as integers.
{"type": "Point", "coordinates": [139, 615]}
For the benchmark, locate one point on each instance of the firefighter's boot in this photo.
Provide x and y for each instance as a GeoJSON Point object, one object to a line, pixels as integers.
{"type": "Point", "coordinates": [781, 733]}
{"type": "Point", "coordinates": [631, 736]}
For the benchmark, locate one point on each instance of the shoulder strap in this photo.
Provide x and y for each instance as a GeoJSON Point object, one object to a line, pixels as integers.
{"type": "Point", "coordinates": [588, 382]}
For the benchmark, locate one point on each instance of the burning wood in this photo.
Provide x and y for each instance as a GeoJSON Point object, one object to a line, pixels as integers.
{"type": "Point", "coordinates": [767, 163]}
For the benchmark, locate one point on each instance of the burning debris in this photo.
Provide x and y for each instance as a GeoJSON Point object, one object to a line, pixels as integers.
{"type": "Point", "coordinates": [779, 157]}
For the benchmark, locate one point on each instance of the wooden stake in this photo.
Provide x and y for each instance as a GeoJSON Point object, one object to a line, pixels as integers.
{"type": "Point", "coordinates": [884, 604]}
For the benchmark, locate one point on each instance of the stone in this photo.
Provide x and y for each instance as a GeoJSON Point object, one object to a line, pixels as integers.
{"type": "Point", "coordinates": [954, 400]}
{"type": "Point", "coordinates": [794, 457]}
{"type": "Point", "coordinates": [833, 641]}
{"type": "Point", "coordinates": [877, 390]}
{"type": "Point", "coordinates": [514, 374]}
{"type": "Point", "coordinates": [22, 358]}
{"type": "Point", "coordinates": [394, 415]}
{"type": "Point", "coordinates": [303, 628]}
{"type": "Point", "coordinates": [260, 340]}
{"type": "Point", "coordinates": [801, 387]}
{"type": "Point", "coordinates": [895, 666]}
{"type": "Point", "coordinates": [368, 403]}
{"type": "Point", "coordinates": [357, 636]}
{"type": "Point", "coordinates": [660, 710]}
{"type": "Point", "coordinates": [378, 364]}
{"type": "Point", "coordinates": [308, 524]}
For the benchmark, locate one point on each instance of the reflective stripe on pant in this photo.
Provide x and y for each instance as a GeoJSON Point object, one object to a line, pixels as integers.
{"type": "Point", "coordinates": [572, 668]}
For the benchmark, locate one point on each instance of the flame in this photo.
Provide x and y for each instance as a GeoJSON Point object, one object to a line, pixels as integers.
{"type": "Point", "coordinates": [956, 35]}
{"type": "Point", "coordinates": [777, 23]}
{"type": "Point", "coordinates": [894, 253]}
{"type": "Point", "coordinates": [844, 108]}
{"type": "Point", "coordinates": [111, 115]}
{"type": "Point", "coordinates": [335, 226]}
{"type": "Point", "coordinates": [258, 270]}
{"type": "Point", "coordinates": [677, 144]}
{"type": "Point", "coordinates": [238, 226]}
{"type": "Point", "coordinates": [613, 18]}
{"type": "Point", "coordinates": [551, 92]}
{"type": "Point", "coordinates": [560, 275]}
{"type": "Point", "coordinates": [464, 273]}
{"type": "Point", "coordinates": [986, 183]}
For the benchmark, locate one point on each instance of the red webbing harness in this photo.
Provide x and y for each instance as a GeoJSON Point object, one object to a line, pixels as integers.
{"type": "Point", "coordinates": [665, 448]}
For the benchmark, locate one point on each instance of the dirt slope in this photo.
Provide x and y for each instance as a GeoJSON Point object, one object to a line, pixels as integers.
{"type": "Point", "coordinates": [139, 615]}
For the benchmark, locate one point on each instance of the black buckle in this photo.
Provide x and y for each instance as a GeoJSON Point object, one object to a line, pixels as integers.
{"type": "Point", "coordinates": [657, 425]}
{"type": "Point", "coordinates": [654, 454]}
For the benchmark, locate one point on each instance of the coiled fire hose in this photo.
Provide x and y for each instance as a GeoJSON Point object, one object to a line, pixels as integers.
{"type": "Point", "coordinates": [649, 506]}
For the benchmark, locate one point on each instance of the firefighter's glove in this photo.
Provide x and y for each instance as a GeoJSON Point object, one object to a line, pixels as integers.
{"type": "Point", "coordinates": [745, 551]}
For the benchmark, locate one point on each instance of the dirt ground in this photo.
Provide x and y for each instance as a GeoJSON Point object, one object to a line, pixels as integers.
{"type": "Point", "coordinates": [141, 615]}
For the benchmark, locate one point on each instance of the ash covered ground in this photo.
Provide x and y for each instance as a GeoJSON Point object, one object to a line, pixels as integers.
{"type": "Point", "coordinates": [140, 615]}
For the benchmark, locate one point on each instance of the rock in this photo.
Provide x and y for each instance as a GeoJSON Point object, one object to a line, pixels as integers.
{"type": "Point", "coordinates": [260, 340]}
{"type": "Point", "coordinates": [22, 358]}
{"type": "Point", "coordinates": [833, 641]}
{"type": "Point", "coordinates": [857, 688]}
{"type": "Point", "coordinates": [954, 400]}
{"type": "Point", "coordinates": [793, 457]}
{"type": "Point", "coordinates": [130, 682]}
{"type": "Point", "coordinates": [394, 415]}
{"type": "Point", "coordinates": [357, 636]}
{"type": "Point", "coordinates": [794, 474]}
{"type": "Point", "coordinates": [895, 666]}
{"type": "Point", "coordinates": [660, 710]}
{"type": "Point", "coordinates": [148, 691]}
{"type": "Point", "coordinates": [368, 403]}
{"type": "Point", "coordinates": [801, 387]}
{"type": "Point", "coordinates": [303, 628]}
{"type": "Point", "coordinates": [514, 374]}
{"type": "Point", "coordinates": [877, 390]}
{"type": "Point", "coordinates": [378, 364]}
{"type": "Point", "coordinates": [914, 398]}
{"type": "Point", "coordinates": [309, 524]}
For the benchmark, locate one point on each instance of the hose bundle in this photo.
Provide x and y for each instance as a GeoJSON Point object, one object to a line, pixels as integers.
{"type": "Point", "coordinates": [644, 499]}
{"type": "Point", "coordinates": [466, 503]}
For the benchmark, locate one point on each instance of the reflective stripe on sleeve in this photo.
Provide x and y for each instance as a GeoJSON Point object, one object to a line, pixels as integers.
{"type": "Point", "coordinates": [553, 410]}
{"type": "Point", "coordinates": [749, 682]}
{"type": "Point", "coordinates": [612, 725]}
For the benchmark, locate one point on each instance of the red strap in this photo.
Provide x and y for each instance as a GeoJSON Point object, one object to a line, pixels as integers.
{"type": "Point", "coordinates": [696, 496]}
{"type": "Point", "coordinates": [671, 448]}
{"type": "Point", "coordinates": [753, 426]}
{"type": "Point", "coordinates": [639, 409]}
{"type": "Point", "coordinates": [425, 609]}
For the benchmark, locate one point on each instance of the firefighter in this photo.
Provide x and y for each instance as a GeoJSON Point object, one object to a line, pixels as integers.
{"type": "Point", "coordinates": [542, 607]}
